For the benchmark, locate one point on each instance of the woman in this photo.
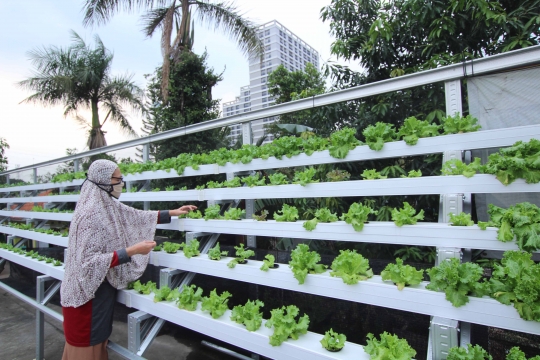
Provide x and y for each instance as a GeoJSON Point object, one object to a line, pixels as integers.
{"type": "Point", "coordinates": [108, 247]}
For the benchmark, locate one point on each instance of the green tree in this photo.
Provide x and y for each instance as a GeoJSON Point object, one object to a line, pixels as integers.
{"type": "Point", "coordinates": [176, 14]}
{"type": "Point", "coordinates": [3, 158]}
{"type": "Point", "coordinates": [397, 37]}
{"type": "Point", "coordinates": [79, 77]}
{"type": "Point", "coordinates": [285, 86]}
{"type": "Point", "coordinates": [190, 102]}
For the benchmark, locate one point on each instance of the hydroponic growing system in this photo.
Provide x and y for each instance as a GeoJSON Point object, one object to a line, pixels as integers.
{"type": "Point", "coordinates": [451, 241]}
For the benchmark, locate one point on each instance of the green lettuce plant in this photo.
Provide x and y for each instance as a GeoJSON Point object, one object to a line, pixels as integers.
{"type": "Point", "coordinates": [304, 261]}
{"type": "Point", "coordinates": [406, 215]}
{"type": "Point", "coordinates": [241, 256]}
{"type": "Point", "coordinates": [268, 262]}
{"type": "Point", "coordinates": [305, 177]}
{"type": "Point", "coordinates": [248, 314]}
{"type": "Point", "coordinates": [216, 304]}
{"type": "Point", "coordinates": [402, 275]}
{"type": "Point", "coordinates": [333, 341]}
{"type": "Point", "coordinates": [414, 129]}
{"type": "Point", "coordinates": [378, 134]}
{"type": "Point", "coordinates": [458, 124]}
{"type": "Point", "coordinates": [357, 215]}
{"type": "Point", "coordinates": [389, 347]}
{"type": "Point", "coordinates": [351, 267]}
{"type": "Point", "coordinates": [212, 212]}
{"type": "Point", "coordinates": [458, 281]}
{"type": "Point", "coordinates": [463, 219]}
{"type": "Point", "coordinates": [288, 213]}
{"type": "Point", "coordinates": [343, 141]}
{"type": "Point", "coordinates": [191, 249]}
{"type": "Point", "coordinates": [470, 353]}
{"type": "Point", "coordinates": [285, 325]}
{"type": "Point", "coordinates": [215, 253]}
{"type": "Point", "coordinates": [189, 297]}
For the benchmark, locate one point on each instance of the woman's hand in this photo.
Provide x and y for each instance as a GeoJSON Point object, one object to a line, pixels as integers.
{"type": "Point", "coordinates": [142, 248]}
{"type": "Point", "coordinates": [182, 210]}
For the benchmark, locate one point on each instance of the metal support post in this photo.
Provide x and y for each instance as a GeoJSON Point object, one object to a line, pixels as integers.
{"type": "Point", "coordinates": [43, 297]}
{"type": "Point", "coordinates": [7, 179]}
{"type": "Point", "coordinates": [444, 333]}
{"type": "Point", "coordinates": [453, 97]}
{"type": "Point", "coordinates": [167, 277]}
{"type": "Point", "coordinates": [146, 158]}
{"type": "Point", "coordinates": [34, 171]}
{"type": "Point", "coordinates": [76, 163]}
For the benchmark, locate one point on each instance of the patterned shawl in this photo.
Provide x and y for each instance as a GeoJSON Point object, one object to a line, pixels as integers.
{"type": "Point", "coordinates": [101, 225]}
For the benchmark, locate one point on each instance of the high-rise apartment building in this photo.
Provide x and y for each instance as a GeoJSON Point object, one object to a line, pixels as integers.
{"type": "Point", "coordinates": [281, 46]}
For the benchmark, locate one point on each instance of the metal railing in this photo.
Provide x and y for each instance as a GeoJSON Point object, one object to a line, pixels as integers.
{"type": "Point", "coordinates": [496, 63]}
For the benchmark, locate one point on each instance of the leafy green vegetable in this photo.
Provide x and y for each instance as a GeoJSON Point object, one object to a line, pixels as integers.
{"type": "Point", "coordinates": [268, 262]}
{"type": "Point", "coordinates": [57, 263]}
{"type": "Point", "coordinates": [402, 275]}
{"type": "Point", "coordinates": [390, 347]}
{"type": "Point", "coordinates": [249, 314]}
{"type": "Point", "coordinates": [342, 141]}
{"type": "Point", "coordinates": [321, 215]}
{"type": "Point", "coordinates": [406, 215]}
{"type": "Point", "coordinates": [471, 353]}
{"type": "Point", "coordinates": [215, 253]}
{"type": "Point", "coordinates": [192, 215]}
{"type": "Point", "coordinates": [357, 215]}
{"type": "Point", "coordinates": [162, 293]}
{"type": "Point", "coordinates": [305, 177]}
{"type": "Point", "coordinates": [171, 248]}
{"type": "Point", "coordinates": [212, 212]}
{"type": "Point", "coordinates": [462, 219]}
{"type": "Point", "coordinates": [189, 297]}
{"type": "Point", "coordinates": [234, 182]}
{"type": "Point", "coordinates": [261, 217]}
{"type": "Point", "coordinates": [216, 304]}
{"type": "Point", "coordinates": [157, 248]}
{"type": "Point", "coordinates": [254, 180]}
{"type": "Point", "coordinates": [413, 174]}
{"type": "Point", "coordinates": [191, 249]}
{"type": "Point", "coordinates": [234, 214]}
{"type": "Point", "coordinates": [414, 129]}
{"type": "Point", "coordinates": [517, 281]}
{"type": "Point", "coordinates": [516, 354]}
{"type": "Point", "coordinates": [333, 341]}
{"type": "Point", "coordinates": [214, 185]}
{"type": "Point", "coordinates": [288, 213]}
{"type": "Point", "coordinates": [285, 324]}
{"type": "Point", "coordinates": [144, 288]}
{"type": "Point", "coordinates": [278, 179]}
{"type": "Point", "coordinates": [458, 124]}
{"type": "Point", "coordinates": [520, 221]}
{"type": "Point", "coordinates": [520, 161]}
{"type": "Point", "coordinates": [338, 175]}
{"type": "Point", "coordinates": [169, 188]}
{"type": "Point", "coordinates": [372, 175]}
{"type": "Point", "coordinates": [457, 167]}
{"type": "Point", "coordinates": [376, 135]}
{"type": "Point", "coordinates": [351, 267]}
{"type": "Point", "coordinates": [304, 261]}
{"type": "Point", "coordinates": [457, 280]}
{"type": "Point", "coordinates": [241, 256]}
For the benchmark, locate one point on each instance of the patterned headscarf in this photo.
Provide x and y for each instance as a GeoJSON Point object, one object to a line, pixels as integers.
{"type": "Point", "coordinates": [101, 225]}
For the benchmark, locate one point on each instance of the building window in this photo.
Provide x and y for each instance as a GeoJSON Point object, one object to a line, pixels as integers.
{"type": "Point", "coordinates": [269, 63]}
{"type": "Point", "coordinates": [264, 99]}
{"type": "Point", "coordinates": [246, 105]}
{"type": "Point", "coordinates": [262, 72]}
{"type": "Point", "coordinates": [263, 87]}
{"type": "Point", "coordinates": [246, 98]}
{"type": "Point", "coordinates": [246, 93]}
{"type": "Point", "coordinates": [267, 47]}
{"type": "Point", "coordinates": [268, 40]}
{"type": "Point", "coordinates": [265, 105]}
{"type": "Point", "coordinates": [267, 32]}
{"type": "Point", "coordinates": [264, 93]}
{"type": "Point", "coordinates": [238, 112]}
{"type": "Point", "coordinates": [237, 107]}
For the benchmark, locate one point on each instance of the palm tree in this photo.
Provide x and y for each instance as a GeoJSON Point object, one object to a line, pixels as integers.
{"type": "Point", "coordinates": [78, 77]}
{"type": "Point", "coordinates": [169, 14]}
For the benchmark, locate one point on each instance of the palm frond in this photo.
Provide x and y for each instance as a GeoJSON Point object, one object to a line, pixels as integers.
{"type": "Point", "coordinates": [117, 116]}
{"type": "Point", "coordinates": [101, 11]}
{"type": "Point", "coordinates": [226, 16]}
{"type": "Point", "coordinates": [155, 18]}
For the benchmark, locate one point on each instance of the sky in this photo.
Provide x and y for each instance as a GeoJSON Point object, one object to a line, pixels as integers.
{"type": "Point", "coordinates": [37, 133]}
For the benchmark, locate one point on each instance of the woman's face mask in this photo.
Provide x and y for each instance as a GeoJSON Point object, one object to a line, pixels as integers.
{"type": "Point", "coordinates": [117, 189]}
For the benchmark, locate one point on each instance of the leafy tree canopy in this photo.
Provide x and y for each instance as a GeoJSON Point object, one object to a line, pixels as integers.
{"type": "Point", "coordinates": [3, 158]}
